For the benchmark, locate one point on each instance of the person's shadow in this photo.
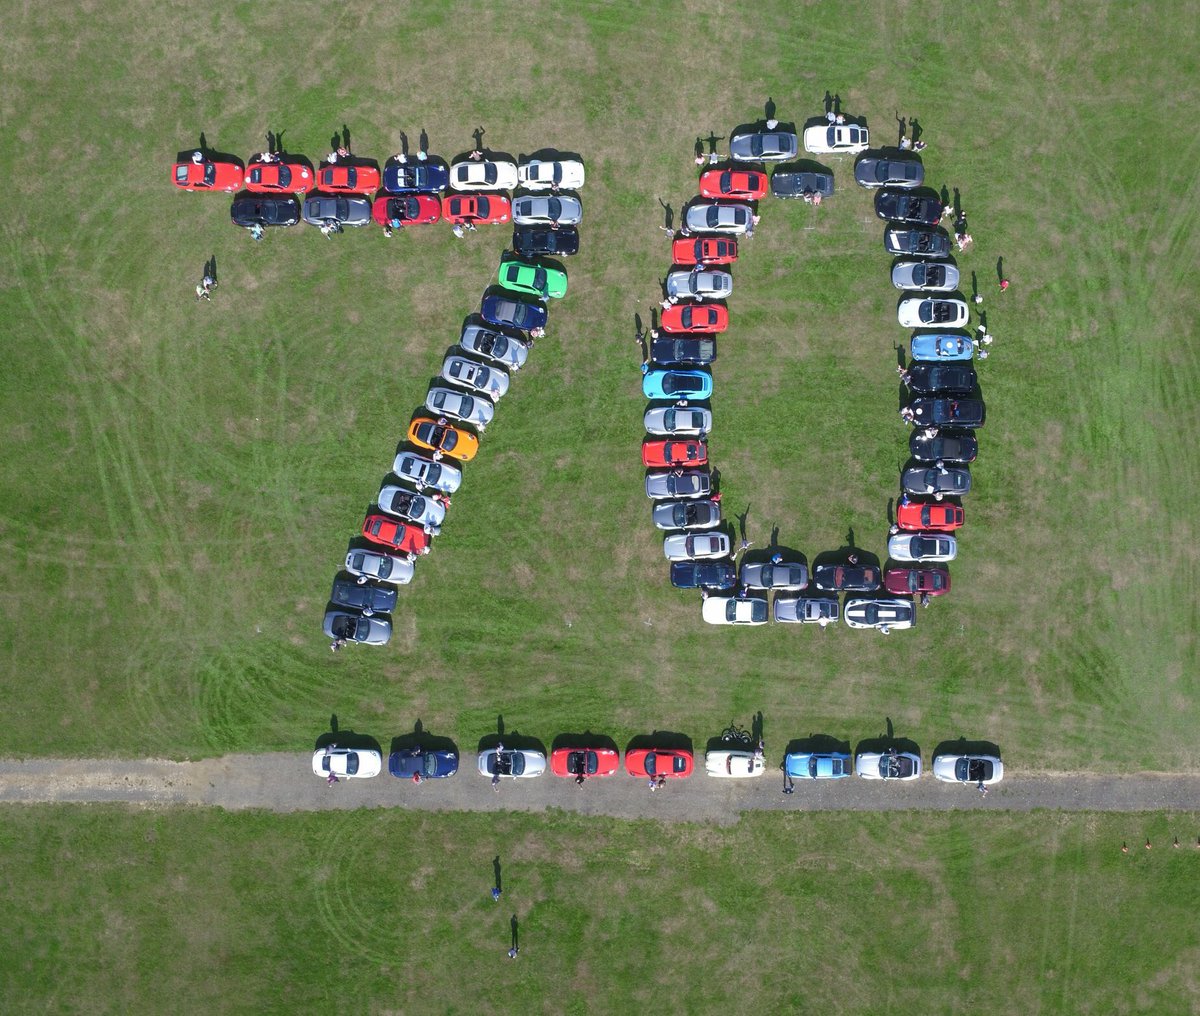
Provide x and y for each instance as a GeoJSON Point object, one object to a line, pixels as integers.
{"type": "Point", "coordinates": [423, 142]}
{"type": "Point", "coordinates": [404, 144]}
{"type": "Point", "coordinates": [477, 134]}
{"type": "Point", "coordinates": [210, 268]}
{"type": "Point", "coordinates": [915, 125]}
{"type": "Point", "coordinates": [516, 939]}
{"type": "Point", "coordinates": [850, 538]}
{"type": "Point", "coordinates": [741, 521]}
{"type": "Point", "coordinates": [698, 148]}
{"type": "Point", "coordinates": [669, 212]}
{"type": "Point", "coordinates": [1000, 269]}
{"type": "Point", "coordinates": [828, 102]}
{"type": "Point", "coordinates": [640, 337]}
{"type": "Point", "coordinates": [769, 109]}
{"type": "Point", "coordinates": [500, 725]}
{"type": "Point", "coordinates": [496, 873]}
{"type": "Point", "coordinates": [903, 124]}
{"type": "Point", "coordinates": [712, 140]}
{"type": "Point", "coordinates": [974, 286]}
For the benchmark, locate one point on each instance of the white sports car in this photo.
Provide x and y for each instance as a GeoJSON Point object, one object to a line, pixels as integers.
{"type": "Point", "coordinates": [538, 175]}
{"type": "Point", "coordinates": [346, 763]}
{"type": "Point", "coordinates": [734, 765]}
{"type": "Point", "coordinates": [833, 138]}
{"type": "Point", "coordinates": [888, 765]}
{"type": "Point", "coordinates": [929, 312]}
{"type": "Point", "coordinates": [471, 175]}
{"type": "Point", "coordinates": [979, 770]}
{"type": "Point", "coordinates": [882, 615]}
{"type": "Point", "coordinates": [734, 610]}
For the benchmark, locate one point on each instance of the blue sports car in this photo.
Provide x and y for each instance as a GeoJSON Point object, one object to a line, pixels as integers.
{"type": "Point", "coordinates": [677, 384]}
{"type": "Point", "coordinates": [941, 347]}
{"type": "Point", "coordinates": [509, 313]}
{"type": "Point", "coordinates": [831, 765]}
{"type": "Point", "coordinates": [409, 178]}
{"type": "Point", "coordinates": [429, 765]}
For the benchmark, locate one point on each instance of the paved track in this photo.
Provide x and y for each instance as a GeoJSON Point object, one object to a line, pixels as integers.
{"type": "Point", "coordinates": [284, 782]}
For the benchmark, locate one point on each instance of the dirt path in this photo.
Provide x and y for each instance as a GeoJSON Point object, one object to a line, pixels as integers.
{"type": "Point", "coordinates": [284, 782]}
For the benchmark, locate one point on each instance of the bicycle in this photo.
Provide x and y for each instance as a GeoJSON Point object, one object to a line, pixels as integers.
{"type": "Point", "coordinates": [733, 734]}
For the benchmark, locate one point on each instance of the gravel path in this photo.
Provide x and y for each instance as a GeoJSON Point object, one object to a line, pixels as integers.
{"type": "Point", "coordinates": [284, 782]}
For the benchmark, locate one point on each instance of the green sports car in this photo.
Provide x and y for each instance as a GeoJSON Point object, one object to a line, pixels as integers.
{"type": "Point", "coordinates": [532, 280]}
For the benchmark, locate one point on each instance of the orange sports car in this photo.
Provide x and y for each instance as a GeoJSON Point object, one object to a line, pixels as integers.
{"type": "Point", "coordinates": [201, 174]}
{"type": "Point", "coordinates": [343, 178]}
{"type": "Point", "coordinates": [745, 185]}
{"type": "Point", "coordinates": [457, 442]}
{"type": "Point", "coordinates": [280, 176]}
{"type": "Point", "coordinates": [654, 762]}
{"type": "Point", "coordinates": [585, 762]}
{"type": "Point", "coordinates": [395, 534]}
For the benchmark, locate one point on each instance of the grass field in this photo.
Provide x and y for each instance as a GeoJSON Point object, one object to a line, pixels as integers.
{"type": "Point", "coordinates": [181, 480]}
{"type": "Point", "coordinates": [117, 911]}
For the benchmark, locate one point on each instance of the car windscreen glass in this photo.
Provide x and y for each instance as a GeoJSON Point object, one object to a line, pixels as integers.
{"type": "Point", "coordinates": [351, 763]}
{"type": "Point", "coordinates": [210, 174]}
{"type": "Point", "coordinates": [429, 764]}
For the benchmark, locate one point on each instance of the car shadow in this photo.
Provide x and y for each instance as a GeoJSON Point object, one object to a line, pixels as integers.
{"type": "Point", "coordinates": [816, 744]}
{"type": "Point", "coordinates": [347, 738]}
{"type": "Point", "coordinates": [585, 739]}
{"type": "Point", "coordinates": [668, 740]}
{"type": "Point", "coordinates": [803, 166]}
{"type": "Point", "coordinates": [841, 556]}
{"type": "Point", "coordinates": [963, 746]}
{"type": "Point", "coordinates": [757, 126]}
{"type": "Point", "coordinates": [883, 743]}
{"type": "Point", "coordinates": [489, 155]}
{"type": "Point", "coordinates": [718, 742]}
{"type": "Point", "coordinates": [419, 737]}
{"type": "Point", "coordinates": [551, 155]}
{"type": "Point", "coordinates": [513, 739]}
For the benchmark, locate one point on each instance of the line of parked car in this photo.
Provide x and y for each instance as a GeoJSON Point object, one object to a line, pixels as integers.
{"type": "Point", "coordinates": [349, 191]}
{"type": "Point", "coordinates": [677, 376]}
{"type": "Point", "coordinates": [658, 764]}
{"type": "Point", "coordinates": [445, 432]}
{"type": "Point", "coordinates": [943, 400]}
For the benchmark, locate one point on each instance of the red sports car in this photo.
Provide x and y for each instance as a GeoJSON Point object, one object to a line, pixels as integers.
{"type": "Point", "coordinates": [406, 210]}
{"type": "Point", "coordinates": [707, 249]}
{"type": "Point", "coordinates": [488, 209]}
{"type": "Point", "coordinates": [341, 178]}
{"type": "Point", "coordinates": [909, 581]}
{"type": "Point", "coordinates": [280, 177]}
{"type": "Point", "coordinates": [584, 762]}
{"type": "Point", "coordinates": [204, 174]}
{"type": "Point", "coordinates": [744, 185]}
{"type": "Point", "coordinates": [939, 518]}
{"type": "Point", "coordinates": [694, 317]}
{"type": "Point", "coordinates": [394, 533]}
{"type": "Point", "coordinates": [651, 762]}
{"type": "Point", "coordinates": [673, 452]}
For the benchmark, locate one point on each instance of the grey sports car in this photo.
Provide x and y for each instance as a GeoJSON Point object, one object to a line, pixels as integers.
{"type": "Point", "coordinates": [764, 146]}
{"type": "Point", "coordinates": [925, 276]}
{"type": "Point", "coordinates": [686, 483]}
{"type": "Point", "coordinates": [345, 211]}
{"type": "Point", "coordinates": [703, 514]}
{"type": "Point", "coordinates": [767, 575]}
{"type": "Point", "coordinates": [878, 171]}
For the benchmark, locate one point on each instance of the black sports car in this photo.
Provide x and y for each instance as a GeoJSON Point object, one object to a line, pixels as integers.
{"type": "Point", "coordinates": [367, 597]}
{"type": "Point", "coordinates": [949, 446]}
{"type": "Point", "coordinates": [932, 412]}
{"type": "Point", "coordinates": [942, 378]}
{"type": "Point", "coordinates": [529, 241]}
{"type": "Point", "coordinates": [703, 574]}
{"type": "Point", "coordinates": [922, 241]}
{"type": "Point", "coordinates": [795, 184]}
{"type": "Point", "coordinates": [264, 210]}
{"type": "Point", "coordinates": [931, 480]}
{"type": "Point", "coordinates": [854, 578]}
{"type": "Point", "coordinates": [668, 350]}
{"type": "Point", "coordinates": [873, 171]}
{"type": "Point", "coordinates": [905, 206]}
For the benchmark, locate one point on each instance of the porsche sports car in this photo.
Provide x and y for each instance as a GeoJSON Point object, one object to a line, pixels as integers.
{"type": "Point", "coordinates": [344, 178]}
{"type": "Point", "coordinates": [412, 210]}
{"type": "Point", "coordinates": [280, 176]}
{"type": "Point", "coordinates": [201, 174]}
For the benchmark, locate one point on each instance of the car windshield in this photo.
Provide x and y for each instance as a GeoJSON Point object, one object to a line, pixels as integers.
{"type": "Point", "coordinates": [682, 383]}
{"type": "Point", "coordinates": [401, 501]}
{"type": "Point", "coordinates": [483, 207]}
{"type": "Point", "coordinates": [554, 208]}
{"type": "Point", "coordinates": [712, 215]}
{"type": "Point", "coordinates": [756, 144]}
{"type": "Point", "coordinates": [489, 173]}
{"type": "Point", "coordinates": [410, 208]}
{"type": "Point", "coordinates": [726, 182]}
{"type": "Point", "coordinates": [539, 279]}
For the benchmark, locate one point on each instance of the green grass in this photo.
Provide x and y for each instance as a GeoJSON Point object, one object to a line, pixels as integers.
{"type": "Point", "coordinates": [118, 911]}
{"type": "Point", "coordinates": [182, 480]}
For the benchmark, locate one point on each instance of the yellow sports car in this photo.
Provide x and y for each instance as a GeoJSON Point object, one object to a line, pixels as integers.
{"type": "Point", "coordinates": [442, 436]}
